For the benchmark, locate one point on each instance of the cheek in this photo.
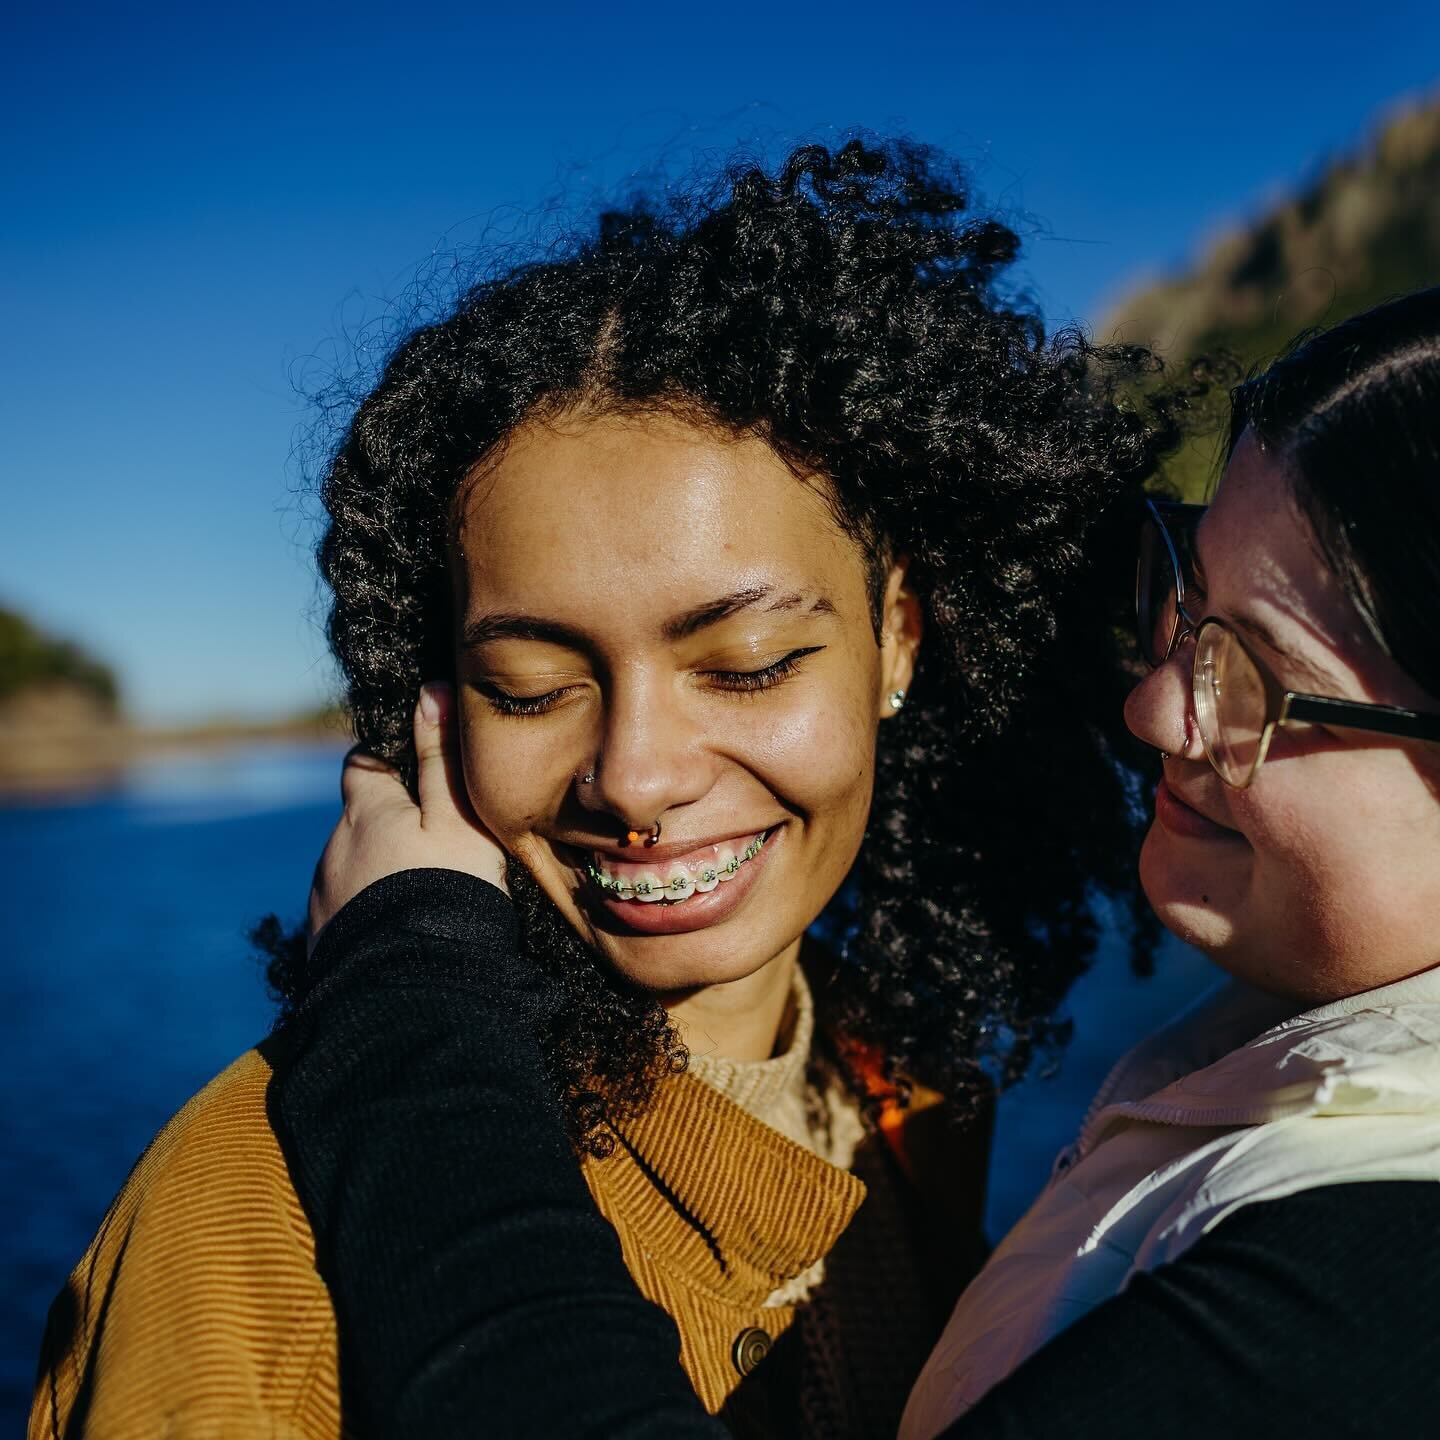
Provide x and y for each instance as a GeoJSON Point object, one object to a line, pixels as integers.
{"type": "Point", "coordinates": [817, 755]}
{"type": "Point", "coordinates": [1347, 859]}
{"type": "Point", "coordinates": [1297, 858]}
{"type": "Point", "coordinates": [510, 774]}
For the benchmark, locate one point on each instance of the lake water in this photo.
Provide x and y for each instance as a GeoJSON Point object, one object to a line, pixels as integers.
{"type": "Point", "coordinates": [128, 983]}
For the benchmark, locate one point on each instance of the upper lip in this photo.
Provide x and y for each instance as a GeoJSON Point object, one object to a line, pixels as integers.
{"type": "Point", "coordinates": [1189, 804]}
{"type": "Point", "coordinates": [640, 853]}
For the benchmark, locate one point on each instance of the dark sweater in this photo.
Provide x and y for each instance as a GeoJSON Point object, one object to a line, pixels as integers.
{"type": "Point", "coordinates": [478, 1292]}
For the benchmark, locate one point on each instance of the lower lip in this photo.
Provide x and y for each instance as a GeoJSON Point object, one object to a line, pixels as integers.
{"type": "Point", "coordinates": [656, 918]}
{"type": "Point", "coordinates": [1179, 819]}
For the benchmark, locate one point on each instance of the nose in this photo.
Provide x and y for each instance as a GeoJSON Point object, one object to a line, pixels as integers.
{"type": "Point", "coordinates": [651, 757]}
{"type": "Point", "coordinates": [1160, 711]}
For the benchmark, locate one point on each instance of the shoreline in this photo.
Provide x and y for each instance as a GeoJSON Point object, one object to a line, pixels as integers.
{"type": "Point", "coordinates": [65, 763]}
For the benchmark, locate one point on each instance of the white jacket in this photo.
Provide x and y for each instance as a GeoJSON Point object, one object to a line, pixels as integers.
{"type": "Point", "coordinates": [1228, 1105]}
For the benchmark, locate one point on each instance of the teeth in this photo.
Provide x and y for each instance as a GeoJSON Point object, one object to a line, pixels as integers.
{"type": "Point", "coordinates": [679, 883]}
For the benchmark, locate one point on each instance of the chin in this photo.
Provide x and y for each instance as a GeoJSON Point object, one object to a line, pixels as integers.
{"type": "Point", "coordinates": [666, 964]}
{"type": "Point", "coordinates": [1195, 904]}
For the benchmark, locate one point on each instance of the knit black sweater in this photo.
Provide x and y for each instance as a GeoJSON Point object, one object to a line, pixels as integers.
{"type": "Point", "coordinates": [478, 1291]}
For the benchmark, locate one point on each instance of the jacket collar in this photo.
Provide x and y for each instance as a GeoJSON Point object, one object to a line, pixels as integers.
{"type": "Point", "coordinates": [1238, 1058]}
{"type": "Point", "coordinates": [726, 1204]}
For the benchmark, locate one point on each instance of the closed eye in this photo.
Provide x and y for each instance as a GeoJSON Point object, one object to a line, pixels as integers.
{"type": "Point", "coordinates": [738, 682]}
{"type": "Point", "coordinates": [748, 681]}
{"type": "Point", "coordinates": [507, 704]}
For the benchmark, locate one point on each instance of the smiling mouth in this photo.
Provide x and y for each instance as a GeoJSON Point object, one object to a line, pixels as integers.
{"type": "Point", "coordinates": [676, 881]}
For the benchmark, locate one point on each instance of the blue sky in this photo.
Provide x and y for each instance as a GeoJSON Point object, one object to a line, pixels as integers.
{"type": "Point", "coordinates": [202, 205]}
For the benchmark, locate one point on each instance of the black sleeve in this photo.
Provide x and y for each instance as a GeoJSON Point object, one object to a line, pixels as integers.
{"type": "Point", "coordinates": [1311, 1315]}
{"type": "Point", "coordinates": [477, 1289]}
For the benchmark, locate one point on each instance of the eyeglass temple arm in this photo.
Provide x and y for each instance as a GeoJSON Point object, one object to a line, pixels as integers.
{"type": "Point", "coordinates": [1361, 715]}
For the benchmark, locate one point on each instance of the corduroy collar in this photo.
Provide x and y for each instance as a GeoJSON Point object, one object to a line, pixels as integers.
{"type": "Point", "coordinates": [722, 1202]}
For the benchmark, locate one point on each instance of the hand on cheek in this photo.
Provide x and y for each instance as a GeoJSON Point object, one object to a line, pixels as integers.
{"type": "Point", "coordinates": [382, 830]}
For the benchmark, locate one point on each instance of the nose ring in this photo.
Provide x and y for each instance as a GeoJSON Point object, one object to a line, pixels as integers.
{"type": "Point", "coordinates": [650, 836]}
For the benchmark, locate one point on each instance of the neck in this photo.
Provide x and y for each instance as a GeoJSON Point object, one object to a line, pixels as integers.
{"type": "Point", "coordinates": [741, 1019]}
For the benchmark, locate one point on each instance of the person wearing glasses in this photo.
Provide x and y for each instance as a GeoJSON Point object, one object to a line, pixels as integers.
{"type": "Point", "coordinates": [1242, 1238]}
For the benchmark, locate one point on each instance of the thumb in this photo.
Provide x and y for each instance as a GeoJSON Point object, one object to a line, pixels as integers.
{"type": "Point", "coordinates": [439, 777]}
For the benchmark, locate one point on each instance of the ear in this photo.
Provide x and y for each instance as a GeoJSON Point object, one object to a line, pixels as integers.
{"type": "Point", "coordinates": [901, 621]}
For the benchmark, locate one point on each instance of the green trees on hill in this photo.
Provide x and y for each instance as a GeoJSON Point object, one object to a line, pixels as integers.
{"type": "Point", "coordinates": [30, 659]}
{"type": "Point", "coordinates": [1367, 229]}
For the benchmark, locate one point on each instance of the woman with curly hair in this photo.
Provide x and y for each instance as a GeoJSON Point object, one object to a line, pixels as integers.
{"type": "Point", "coordinates": [751, 551]}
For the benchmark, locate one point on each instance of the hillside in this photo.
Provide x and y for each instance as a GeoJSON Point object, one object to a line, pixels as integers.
{"type": "Point", "coordinates": [32, 660]}
{"type": "Point", "coordinates": [1365, 229]}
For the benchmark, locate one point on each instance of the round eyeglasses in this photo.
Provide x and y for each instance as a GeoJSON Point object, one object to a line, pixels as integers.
{"type": "Point", "coordinates": [1239, 704]}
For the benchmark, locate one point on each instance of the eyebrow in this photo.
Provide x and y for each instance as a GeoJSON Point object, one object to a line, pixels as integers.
{"type": "Point", "coordinates": [486, 628]}
{"type": "Point", "coordinates": [1257, 629]}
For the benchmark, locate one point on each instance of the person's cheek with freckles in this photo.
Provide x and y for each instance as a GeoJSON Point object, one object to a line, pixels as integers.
{"type": "Point", "coordinates": [516, 776]}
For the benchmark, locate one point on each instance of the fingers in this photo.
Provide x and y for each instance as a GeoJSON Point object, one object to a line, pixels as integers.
{"type": "Point", "coordinates": [365, 778]}
{"type": "Point", "coordinates": [440, 774]}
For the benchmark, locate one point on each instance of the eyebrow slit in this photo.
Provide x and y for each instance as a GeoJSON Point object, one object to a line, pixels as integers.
{"type": "Point", "coordinates": [714, 611]}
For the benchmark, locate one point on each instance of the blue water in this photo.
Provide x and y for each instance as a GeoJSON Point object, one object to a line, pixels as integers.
{"type": "Point", "coordinates": [128, 983]}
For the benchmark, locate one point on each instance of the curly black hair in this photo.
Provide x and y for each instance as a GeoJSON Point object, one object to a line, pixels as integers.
{"type": "Point", "coordinates": [845, 308]}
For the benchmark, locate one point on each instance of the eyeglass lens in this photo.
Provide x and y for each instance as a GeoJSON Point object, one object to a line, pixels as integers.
{"type": "Point", "coordinates": [1156, 594]}
{"type": "Point", "coordinates": [1229, 704]}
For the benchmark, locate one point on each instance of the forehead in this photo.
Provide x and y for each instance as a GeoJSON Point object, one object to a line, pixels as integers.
{"type": "Point", "coordinates": [625, 519]}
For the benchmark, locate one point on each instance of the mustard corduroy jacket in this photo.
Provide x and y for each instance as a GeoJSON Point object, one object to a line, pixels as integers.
{"type": "Point", "coordinates": [198, 1308]}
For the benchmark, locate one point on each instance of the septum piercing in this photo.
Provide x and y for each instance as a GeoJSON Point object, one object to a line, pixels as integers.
{"type": "Point", "coordinates": [650, 835]}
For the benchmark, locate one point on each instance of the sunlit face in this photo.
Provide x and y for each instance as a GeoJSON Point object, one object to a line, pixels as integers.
{"type": "Point", "coordinates": [674, 611]}
{"type": "Point", "coordinates": [1323, 878]}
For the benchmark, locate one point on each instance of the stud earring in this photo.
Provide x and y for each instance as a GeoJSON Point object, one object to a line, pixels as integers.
{"type": "Point", "coordinates": [588, 779]}
{"type": "Point", "coordinates": [897, 699]}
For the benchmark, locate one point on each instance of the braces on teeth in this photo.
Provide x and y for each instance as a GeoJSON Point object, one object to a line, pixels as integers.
{"type": "Point", "coordinates": [679, 885]}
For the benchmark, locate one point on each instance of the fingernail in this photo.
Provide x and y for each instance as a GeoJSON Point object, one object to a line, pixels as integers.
{"type": "Point", "coordinates": [433, 698]}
